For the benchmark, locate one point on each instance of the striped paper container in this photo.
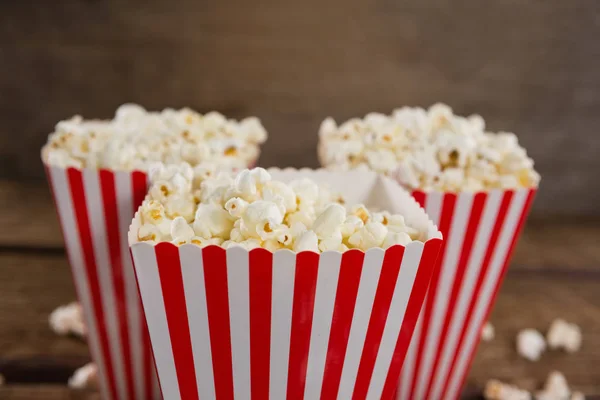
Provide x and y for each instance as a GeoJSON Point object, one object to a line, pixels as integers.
{"type": "Point", "coordinates": [95, 208]}
{"type": "Point", "coordinates": [259, 325]}
{"type": "Point", "coordinates": [480, 231]}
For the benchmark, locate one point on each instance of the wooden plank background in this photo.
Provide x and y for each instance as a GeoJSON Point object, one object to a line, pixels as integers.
{"type": "Point", "coordinates": [531, 67]}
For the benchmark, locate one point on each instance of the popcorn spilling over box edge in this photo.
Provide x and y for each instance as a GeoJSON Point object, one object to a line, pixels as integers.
{"type": "Point", "coordinates": [477, 186]}
{"type": "Point", "coordinates": [97, 173]}
{"type": "Point", "coordinates": [261, 283]}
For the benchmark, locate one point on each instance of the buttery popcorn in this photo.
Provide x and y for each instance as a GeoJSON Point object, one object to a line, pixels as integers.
{"type": "Point", "coordinates": [251, 210]}
{"type": "Point", "coordinates": [135, 138]}
{"type": "Point", "coordinates": [429, 150]}
{"type": "Point", "coordinates": [496, 390]}
{"type": "Point", "coordinates": [557, 388]}
{"type": "Point", "coordinates": [488, 332]}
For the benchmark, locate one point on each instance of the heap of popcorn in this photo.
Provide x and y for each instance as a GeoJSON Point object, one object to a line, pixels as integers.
{"type": "Point", "coordinates": [430, 150]}
{"type": "Point", "coordinates": [251, 210]}
{"type": "Point", "coordinates": [136, 138]}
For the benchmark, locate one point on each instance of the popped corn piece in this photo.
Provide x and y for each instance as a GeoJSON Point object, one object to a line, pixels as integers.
{"type": "Point", "coordinates": [556, 387]}
{"type": "Point", "coordinates": [236, 206]}
{"type": "Point", "coordinates": [260, 215]}
{"type": "Point", "coordinates": [149, 233]}
{"type": "Point", "coordinates": [496, 390]}
{"type": "Point", "coordinates": [530, 344]}
{"type": "Point", "coordinates": [68, 319]}
{"type": "Point", "coordinates": [392, 238]}
{"type": "Point", "coordinates": [329, 222]}
{"type": "Point", "coordinates": [85, 377]}
{"type": "Point", "coordinates": [307, 241]}
{"type": "Point", "coordinates": [360, 211]}
{"type": "Point", "coordinates": [203, 242]}
{"type": "Point", "coordinates": [212, 221]}
{"type": "Point", "coordinates": [304, 217]}
{"type": "Point", "coordinates": [332, 242]}
{"type": "Point", "coordinates": [564, 335]}
{"type": "Point", "coordinates": [371, 235]}
{"type": "Point", "coordinates": [286, 192]}
{"type": "Point", "coordinates": [487, 332]}
{"type": "Point", "coordinates": [351, 225]}
{"type": "Point", "coordinates": [181, 230]}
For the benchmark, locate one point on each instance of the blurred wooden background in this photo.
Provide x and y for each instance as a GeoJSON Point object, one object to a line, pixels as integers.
{"type": "Point", "coordinates": [528, 66]}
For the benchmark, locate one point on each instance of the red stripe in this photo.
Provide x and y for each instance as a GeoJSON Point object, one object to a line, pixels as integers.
{"type": "Point", "coordinates": [420, 197]}
{"type": "Point", "coordinates": [261, 277]}
{"type": "Point", "coordinates": [484, 269]}
{"type": "Point", "coordinates": [139, 188]}
{"type": "Point", "coordinates": [307, 265]}
{"type": "Point", "coordinates": [473, 225]}
{"type": "Point", "coordinates": [217, 304]}
{"type": "Point", "coordinates": [413, 309]}
{"type": "Point", "coordinates": [171, 283]}
{"type": "Point", "coordinates": [516, 235]}
{"type": "Point", "coordinates": [343, 311]}
{"type": "Point", "coordinates": [381, 305]}
{"type": "Point", "coordinates": [446, 215]}
{"type": "Point", "coordinates": [83, 226]}
{"type": "Point", "coordinates": [111, 218]}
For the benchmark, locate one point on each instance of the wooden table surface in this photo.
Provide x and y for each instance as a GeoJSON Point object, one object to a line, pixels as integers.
{"type": "Point", "coordinates": [555, 273]}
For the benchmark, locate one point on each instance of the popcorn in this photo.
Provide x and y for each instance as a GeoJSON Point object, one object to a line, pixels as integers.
{"type": "Point", "coordinates": [496, 390]}
{"type": "Point", "coordinates": [430, 149]}
{"type": "Point", "coordinates": [530, 344]}
{"type": "Point", "coordinates": [68, 319]}
{"type": "Point", "coordinates": [487, 332]}
{"type": "Point", "coordinates": [564, 335]}
{"type": "Point", "coordinates": [85, 377]}
{"type": "Point", "coordinates": [250, 210]}
{"type": "Point", "coordinates": [136, 139]}
{"type": "Point", "coordinates": [556, 388]}
{"type": "Point", "coordinates": [308, 241]}
{"type": "Point", "coordinates": [371, 235]}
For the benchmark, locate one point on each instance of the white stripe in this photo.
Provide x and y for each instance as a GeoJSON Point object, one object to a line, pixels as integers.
{"type": "Point", "coordinates": [64, 203]}
{"type": "Point", "coordinates": [473, 333]}
{"type": "Point", "coordinates": [238, 282]}
{"type": "Point", "coordinates": [124, 195]}
{"type": "Point", "coordinates": [473, 268]}
{"type": "Point", "coordinates": [454, 241]}
{"type": "Point", "coordinates": [408, 367]}
{"type": "Point", "coordinates": [393, 324]}
{"type": "Point", "coordinates": [154, 307]}
{"type": "Point", "coordinates": [284, 268]}
{"type": "Point", "coordinates": [327, 280]}
{"type": "Point", "coordinates": [192, 270]}
{"type": "Point", "coordinates": [433, 206]}
{"type": "Point", "coordinates": [95, 210]}
{"type": "Point", "coordinates": [369, 280]}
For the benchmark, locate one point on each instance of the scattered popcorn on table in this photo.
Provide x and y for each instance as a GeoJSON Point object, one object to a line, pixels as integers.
{"type": "Point", "coordinates": [556, 388]}
{"type": "Point", "coordinates": [487, 332]}
{"type": "Point", "coordinates": [530, 344]}
{"type": "Point", "coordinates": [496, 390]}
{"type": "Point", "coordinates": [251, 210]}
{"type": "Point", "coordinates": [135, 138]}
{"type": "Point", "coordinates": [564, 335]}
{"type": "Point", "coordinates": [85, 377]}
{"type": "Point", "coordinates": [68, 319]}
{"type": "Point", "coordinates": [430, 149]}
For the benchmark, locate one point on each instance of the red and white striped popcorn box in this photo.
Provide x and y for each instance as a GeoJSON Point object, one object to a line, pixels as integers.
{"type": "Point", "coordinates": [274, 325]}
{"type": "Point", "coordinates": [480, 231]}
{"type": "Point", "coordinates": [95, 208]}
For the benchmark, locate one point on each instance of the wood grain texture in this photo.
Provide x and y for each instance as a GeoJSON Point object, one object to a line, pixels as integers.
{"type": "Point", "coordinates": [528, 67]}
